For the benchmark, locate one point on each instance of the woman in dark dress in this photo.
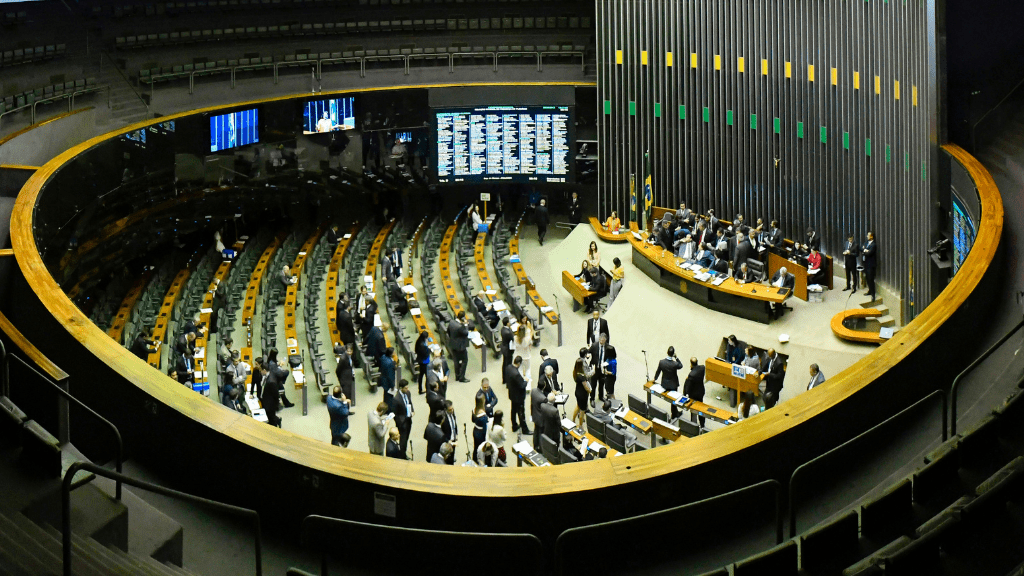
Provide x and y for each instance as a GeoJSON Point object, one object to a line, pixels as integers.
{"type": "Point", "coordinates": [422, 350]}
{"type": "Point", "coordinates": [582, 373]}
{"type": "Point", "coordinates": [479, 423]}
{"type": "Point", "coordinates": [256, 386]}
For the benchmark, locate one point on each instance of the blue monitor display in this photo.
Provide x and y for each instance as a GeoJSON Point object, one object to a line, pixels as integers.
{"type": "Point", "coordinates": [234, 129]}
{"type": "Point", "coordinates": [964, 233]}
{"type": "Point", "coordinates": [137, 137]}
{"type": "Point", "coordinates": [320, 116]}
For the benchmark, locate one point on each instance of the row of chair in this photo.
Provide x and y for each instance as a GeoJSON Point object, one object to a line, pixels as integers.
{"type": "Point", "coordinates": [54, 92]}
{"type": "Point", "coordinates": [369, 27]}
{"type": "Point", "coordinates": [32, 54]}
{"type": "Point", "coordinates": [437, 304]}
{"type": "Point", "coordinates": [273, 291]}
{"type": "Point", "coordinates": [359, 250]}
{"type": "Point", "coordinates": [500, 254]}
{"type": "Point", "coordinates": [464, 255]}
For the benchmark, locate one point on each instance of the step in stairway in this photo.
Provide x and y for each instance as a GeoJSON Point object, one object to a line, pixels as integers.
{"type": "Point", "coordinates": [886, 319]}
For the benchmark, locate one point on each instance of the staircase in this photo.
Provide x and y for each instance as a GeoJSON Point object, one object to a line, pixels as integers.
{"type": "Point", "coordinates": [886, 319]}
{"type": "Point", "coordinates": [125, 105]}
{"type": "Point", "coordinates": [109, 536]}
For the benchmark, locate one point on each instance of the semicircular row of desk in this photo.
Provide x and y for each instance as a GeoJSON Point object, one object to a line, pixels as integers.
{"type": "Point", "coordinates": [291, 458]}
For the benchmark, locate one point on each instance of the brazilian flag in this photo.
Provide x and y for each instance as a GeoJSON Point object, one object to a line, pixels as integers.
{"type": "Point", "coordinates": [632, 198]}
{"type": "Point", "coordinates": [648, 191]}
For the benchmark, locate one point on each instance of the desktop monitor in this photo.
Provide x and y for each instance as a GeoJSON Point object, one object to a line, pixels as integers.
{"type": "Point", "coordinates": [319, 116]}
{"type": "Point", "coordinates": [234, 129]}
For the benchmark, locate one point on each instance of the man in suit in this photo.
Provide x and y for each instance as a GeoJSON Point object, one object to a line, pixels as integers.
{"type": "Point", "coordinates": [375, 343]}
{"type": "Point", "coordinates": [184, 366]}
{"type": "Point", "coordinates": [517, 395]}
{"type": "Point", "coordinates": [458, 343]}
{"type": "Point", "coordinates": [703, 235]}
{"type": "Point", "coordinates": [684, 215]}
{"type": "Point", "coordinates": [551, 420]}
{"type": "Point", "coordinates": [575, 210]}
{"type": "Point", "coordinates": [870, 262]}
{"type": "Point", "coordinates": [379, 422]}
{"type": "Point", "coordinates": [271, 399]}
{"type": "Point", "coordinates": [343, 320]}
{"type": "Point", "coordinates": [369, 313]}
{"type": "Point", "coordinates": [543, 219]}
{"type": "Point", "coordinates": [719, 266]}
{"type": "Point", "coordinates": [433, 434]}
{"type": "Point", "coordinates": [597, 326]}
{"type": "Point", "coordinates": [816, 377]}
{"type": "Point", "coordinates": [599, 285]}
{"type": "Point", "coordinates": [604, 363]}
{"type": "Point", "coordinates": [694, 385]}
{"type": "Point", "coordinates": [387, 270]}
{"type": "Point", "coordinates": [490, 398]}
{"type": "Point", "coordinates": [537, 399]}
{"type": "Point", "coordinates": [743, 274]}
{"type": "Point", "coordinates": [851, 253]}
{"type": "Point", "coordinates": [506, 350]}
{"type": "Point", "coordinates": [434, 398]}
{"type": "Point", "coordinates": [361, 302]}
{"type": "Point", "coordinates": [394, 447]}
{"type": "Point", "coordinates": [386, 380]}
{"type": "Point", "coordinates": [783, 279]}
{"type": "Point", "coordinates": [338, 410]}
{"type": "Point", "coordinates": [141, 345]}
{"type": "Point", "coordinates": [743, 250]}
{"type": "Point", "coordinates": [450, 427]}
{"type": "Point", "coordinates": [437, 375]}
{"type": "Point", "coordinates": [346, 378]}
{"type": "Point", "coordinates": [395, 257]}
{"type": "Point", "coordinates": [773, 239]}
{"type": "Point", "coordinates": [486, 309]}
{"type": "Point", "coordinates": [404, 411]}
{"type": "Point", "coordinates": [668, 370]}
{"type": "Point", "coordinates": [548, 381]}
{"type": "Point", "coordinates": [398, 297]}
{"type": "Point", "coordinates": [665, 234]}
{"type": "Point", "coordinates": [774, 373]}
{"type": "Point", "coordinates": [546, 361]}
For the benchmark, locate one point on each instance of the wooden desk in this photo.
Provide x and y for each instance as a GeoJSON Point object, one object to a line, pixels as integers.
{"type": "Point", "coordinates": [527, 454]}
{"type": "Point", "coordinates": [748, 300]}
{"type": "Point", "coordinates": [531, 288]}
{"type": "Point", "coordinates": [591, 440]}
{"type": "Point", "coordinates": [607, 236]}
{"type": "Point", "coordinates": [840, 328]}
{"type": "Point", "coordinates": [699, 408]}
{"type": "Point", "coordinates": [252, 291]}
{"type": "Point", "coordinates": [444, 257]}
{"type": "Point", "coordinates": [203, 342]}
{"type": "Point", "coordinates": [638, 423]}
{"type": "Point", "coordinates": [124, 311]}
{"type": "Point", "coordinates": [291, 302]}
{"type": "Point", "coordinates": [174, 291]}
{"type": "Point", "coordinates": [371, 265]}
{"type": "Point", "coordinates": [575, 289]}
{"type": "Point", "coordinates": [720, 372]}
{"type": "Point", "coordinates": [799, 272]}
{"type": "Point", "coordinates": [333, 275]}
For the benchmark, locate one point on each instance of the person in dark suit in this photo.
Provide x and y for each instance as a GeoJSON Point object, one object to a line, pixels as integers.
{"type": "Point", "coordinates": [548, 381]}
{"type": "Point", "coordinates": [734, 349]}
{"type": "Point", "coordinates": [719, 266]}
{"type": "Point", "coordinates": [517, 395]}
{"type": "Point", "coordinates": [343, 320]}
{"type": "Point", "coordinates": [506, 350]}
{"type": "Point", "coordinates": [783, 279]}
{"type": "Point", "coordinates": [543, 219]}
{"type": "Point", "coordinates": [256, 385]}
{"type": "Point", "coordinates": [404, 411]}
{"type": "Point", "coordinates": [666, 235]}
{"type": "Point", "coordinates": [395, 257]}
{"type": "Point", "coordinates": [346, 379]}
{"type": "Point", "coordinates": [851, 255]}
{"type": "Point", "coordinates": [438, 374]}
{"type": "Point", "coordinates": [668, 370]}
{"type": "Point", "coordinates": [386, 380]}
{"type": "Point", "coordinates": [550, 419]}
{"type": "Point", "coordinates": [278, 373]}
{"type": "Point", "coordinates": [773, 238]}
{"type": "Point", "coordinates": [604, 364]}
{"type": "Point", "coordinates": [545, 361]}
{"type": "Point", "coordinates": [387, 270]}
{"type": "Point", "coordinates": [393, 449]}
{"type": "Point", "coordinates": [599, 285]}
{"type": "Point", "coordinates": [743, 274]}
{"type": "Point", "coordinates": [422, 351]}
{"type": "Point", "coordinates": [333, 236]}
{"type": "Point", "coordinates": [458, 343]}
{"type": "Point", "coordinates": [870, 263]}
{"type": "Point", "coordinates": [450, 427]}
{"type": "Point", "coordinates": [537, 399]}
{"type": "Point", "coordinates": [774, 373]}
{"type": "Point", "coordinates": [595, 327]}
{"type": "Point", "coordinates": [743, 250]}
{"type": "Point", "coordinates": [434, 398]}
{"type": "Point", "coordinates": [703, 235]}
{"type": "Point", "coordinates": [486, 309]}
{"type": "Point", "coordinates": [433, 434]}
{"type": "Point", "coordinates": [694, 385]}
{"type": "Point", "coordinates": [398, 297]}
{"type": "Point", "coordinates": [338, 409]}
{"type": "Point", "coordinates": [368, 315]}
{"type": "Point", "coordinates": [575, 210]}
{"type": "Point", "coordinates": [184, 366]}
{"type": "Point", "coordinates": [141, 344]}
{"type": "Point", "coordinates": [375, 343]}
{"type": "Point", "coordinates": [271, 398]}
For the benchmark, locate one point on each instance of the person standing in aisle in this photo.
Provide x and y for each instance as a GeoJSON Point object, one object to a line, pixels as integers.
{"type": "Point", "coordinates": [543, 219]}
{"type": "Point", "coordinates": [617, 275]}
{"type": "Point", "coordinates": [870, 263]}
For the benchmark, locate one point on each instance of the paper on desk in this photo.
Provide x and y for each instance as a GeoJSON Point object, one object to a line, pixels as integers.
{"type": "Point", "coordinates": [409, 289]}
{"type": "Point", "coordinates": [674, 394]}
{"type": "Point", "coordinates": [475, 338]}
{"type": "Point", "coordinates": [200, 352]}
{"type": "Point", "coordinates": [346, 236]}
{"type": "Point", "coordinates": [300, 378]}
{"type": "Point", "coordinates": [490, 292]}
{"type": "Point", "coordinates": [498, 306]}
{"type": "Point", "coordinates": [206, 310]}
{"type": "Point", "coordinates": [522, 447]}
{"type": "Point", "coordinates": [718, 281]}
{"type": "Point", "coordinates": [292, 342]}
{"type": "Point", "coordinates": [260, 415]}
{"type": "Point", "coordinates": [376, 320]}
{"type": "Point", "coordinates": [546, 309]}
{"type": "Point", "coordinates": [368, 279]}
{"type": "Point", "coordinates": [657, 389]}
{"type": "Point", "coordinates": [415, 311]}
{"type": "Point", "coordinates": [568, 424]}
{"type": "Point", "coordinates": [302, 253]}
{"type": "Point", "coordinates": [514, 258]}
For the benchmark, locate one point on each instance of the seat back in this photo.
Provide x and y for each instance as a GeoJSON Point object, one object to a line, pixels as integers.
{"type": "Point", "coordinates": [688, 428]}
{"type": "Point", "coordinates": [565, 457]}
{"type": "Point", "coordinates": [615, 438]}
{"type": "Point", "coordinates": [655, 412]}
{"type": "Point", "coordinates": [595, 427]}
{"type": "Point", "coordinates": [549, 449]}
{"type": "Point", "coordinates": [637, 405]}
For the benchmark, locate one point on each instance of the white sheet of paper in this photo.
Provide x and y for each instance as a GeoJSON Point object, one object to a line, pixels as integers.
{"type": "Point", "coordinates": [415, 311]}
{"type": "Point", "coordinates": [490, 292]}
{"type": "Point", "coordinates": [376, 320]}
{"type": "Point", "coordinates": [499, 306]}
{"type": "Point", "coordinates": [409, 289]}
{"type": "Point", "coordinates": [206, 310]}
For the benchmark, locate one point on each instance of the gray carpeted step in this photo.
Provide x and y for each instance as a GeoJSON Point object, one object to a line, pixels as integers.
{"type": "Point", "coordinates": [52, 548]}
{"type": "Point", "coordinates": [93, 513]}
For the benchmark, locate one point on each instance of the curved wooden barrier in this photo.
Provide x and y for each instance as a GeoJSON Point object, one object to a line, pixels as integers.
{"type": "Point", "coordinates": [840, 329]}
{"type": "Point", "coordinates": [314, 473]}
{"type": "Point", "coordinates": [607, 236]}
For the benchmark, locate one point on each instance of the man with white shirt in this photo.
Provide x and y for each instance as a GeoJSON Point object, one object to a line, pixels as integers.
{"type": "Point", "coordinates": [816, 377]}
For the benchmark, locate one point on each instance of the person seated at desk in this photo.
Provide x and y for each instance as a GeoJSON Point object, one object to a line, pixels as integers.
{"type": "Point", "coordinates": [584, 276]}
{"type": "Point", "coordinates": [613, 224]}
{"type": "Point", "coordinates": [815, 273]}
{"type": "Point", "coordinates": [601, 454]}
{"type": "Point", "coordinates": [486, 309]}
{"type": "Point", "coordinates": [719, 266]}
{"type": "Point", "coordinates": [398, 297]}
{"type": "Point", "coordinates": [705, 257]}
{"type": "Point", "coordinates": [443, 454]}
{"type": "Point", "coordinates": [685, 247]}
{"type": "Point", "coordinates": [593, 255]}
{"type": "Point", "coordinates": [286, 278]}
{"type": "Point", "coordinates": [783, 279]}
{"type": "Point", "coordinates": [744, 274]}
{"type": "Point", "coordinates": [141, 346]}
{"type": "Point", "coordinates": [599, 285]}
{"type": "Point", "coordinates": [702, 235]}
{"type": "Point", "coordinates": [569, 445]}
{"type": "Point", "coordinates": [607, 415]}
{"type": "Point", "coordinates": [734, 349]}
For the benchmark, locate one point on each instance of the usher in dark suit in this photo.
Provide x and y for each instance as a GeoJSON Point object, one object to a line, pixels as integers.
{"type": "Point", "coordinates": [694, 386]}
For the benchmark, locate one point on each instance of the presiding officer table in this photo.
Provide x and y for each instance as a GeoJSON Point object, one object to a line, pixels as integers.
{"type": "Point", "coordinates": [748, 300]}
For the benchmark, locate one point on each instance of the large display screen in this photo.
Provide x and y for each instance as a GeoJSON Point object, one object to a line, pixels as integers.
{"type": "Point", "coordinates": [328, 115]}
{"type": "Point", "coordinates": [504, 143]}
{"type": "Point", "coordinates": [234, 129]}
{"type": "Point", "coordinates": [964, 233]}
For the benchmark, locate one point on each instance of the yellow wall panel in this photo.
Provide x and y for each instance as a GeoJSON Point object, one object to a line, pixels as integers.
{"type": "Point", "coordinates": [643, 57]}
{"type": "Point", "coordinates": [740, 67]}
{"type": "Point", "coordinates": [668, 59]}
{"type": "Point", "coordinates": [618, 56]}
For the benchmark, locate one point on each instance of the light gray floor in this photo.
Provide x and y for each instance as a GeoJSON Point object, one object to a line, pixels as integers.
{"type": "Point", "coordinates": [645, 317]}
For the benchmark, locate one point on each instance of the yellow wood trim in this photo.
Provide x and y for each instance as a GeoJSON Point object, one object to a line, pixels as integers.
{"type": "Point", "coordinates": [33, 353]}
{"type": "Point", "coordinates": [18, 167]}
{"type": "Point", "coordinates": [693, 60]}
{"type": "Point", "coordinates": [896, 89]}
{"type": "Point", "coordinates": [835, 76]}
{"type": "Point", "coordinates": [789, 69]}
{"type": "Point", "coordinates": [7, 252]}
{"type": "Point", "coordinates": [856, 80]}
{"type": "Point", "coordinates": [878, 85]}
{"type": "Point", "coordinates": [718, 62]}
{"type": "Point", "coordinates": [764, 67]}
{"type": "Point", "coordinates": [914, 92]}
{"type": "Point", "coordinates": [810, 72]}
{"type": "Point", "coordinates": [452, 480]}
{"type": "Point", "coordinates": [14, 135]}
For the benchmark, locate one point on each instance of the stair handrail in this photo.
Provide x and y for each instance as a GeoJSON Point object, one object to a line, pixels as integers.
{"type": "Point", "coordinates": [956, 381]}
{"type": "Point", "coordinates": [104, 54]}
{"type": "Point", "coordinates": [68, 485]}
{"type": "Point", "coordinates": [67, 395]}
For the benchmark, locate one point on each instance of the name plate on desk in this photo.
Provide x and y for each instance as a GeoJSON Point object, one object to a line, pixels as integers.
{"type": "Point", "coordinates": [739, 371]}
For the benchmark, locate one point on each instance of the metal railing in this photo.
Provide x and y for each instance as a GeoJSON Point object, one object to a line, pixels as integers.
{"type": "Point", "coordinates": [31, 106]}
{"type": "Point", "coordinates": [852, 441]}
{"type": "Point", "coordinates": [956, 381]}
{"type": "Point", "coordinates": [124, 77]}
{"type": "Point", "coordinates": [67, 396]}
{"type": "Point", "coordinates": [68, 485]}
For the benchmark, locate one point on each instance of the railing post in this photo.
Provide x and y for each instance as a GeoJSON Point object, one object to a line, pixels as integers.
{"type": "Point", "coordinates": [956, 381]}
{"type": "Point", "coordinates": [5, 375]}
{"type": "Point", "coordinates": [63, 412]}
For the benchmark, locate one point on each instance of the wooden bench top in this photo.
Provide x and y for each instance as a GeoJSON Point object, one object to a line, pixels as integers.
{"type": "Point", "coordinates": [333, 274]}
{"type": "Point", "coordinates": [124, 311]}
{"type": "Point", "coordinates": [444, 258]}
{"type": "Point", "coordinates": [291, 334]}
{"type": "Point", "coordinates": [839, 327]}
{"type": "Point", "coordinates": [524, 279]}
{"type": "Point", "coordinates": [374, 256]}
{"type": "Point", "coordinates": [252, 291]}
{"type": "Point", "coordinates": [607, 236]}
{"type": "Point", "coordinates": [163, 317]}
